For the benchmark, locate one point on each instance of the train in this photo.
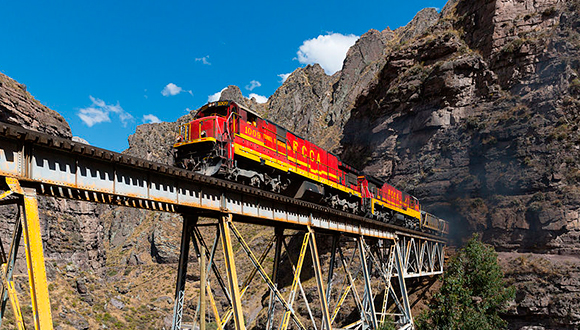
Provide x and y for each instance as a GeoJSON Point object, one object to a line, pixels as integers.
{"type": "Point", "coordinates": [228, 140]}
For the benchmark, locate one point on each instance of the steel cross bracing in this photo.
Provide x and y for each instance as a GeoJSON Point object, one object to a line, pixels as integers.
{"type": "Point", "coordinates": [58, 167]}
{"type": "Point", "coordinates": [421, 257]}
{"type": "Point", "coordinates": [359, 272]}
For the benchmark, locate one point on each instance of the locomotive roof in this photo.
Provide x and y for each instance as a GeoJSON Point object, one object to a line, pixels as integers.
{"type": "Point", "coordinates": [248, 110]}
{"type": "Point", "coordinates": [228, 103]}
{"type": "Point", "coordinates": [374, 180]}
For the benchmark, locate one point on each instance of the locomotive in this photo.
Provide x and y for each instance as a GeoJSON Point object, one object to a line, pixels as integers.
{"type": "Point", "coordinates": [228, 140]}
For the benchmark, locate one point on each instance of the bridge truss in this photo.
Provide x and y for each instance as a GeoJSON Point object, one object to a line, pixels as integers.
{"type": "Point", "coordinates": [371, 276]}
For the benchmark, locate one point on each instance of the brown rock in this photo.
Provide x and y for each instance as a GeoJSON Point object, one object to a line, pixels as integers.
{"type": "Point", "coordinates": [20, 108]}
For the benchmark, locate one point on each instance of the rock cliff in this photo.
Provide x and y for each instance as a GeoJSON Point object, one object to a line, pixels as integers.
{"type": "Point", "coordinates": [18, 107]}
{"type": "Point", "coordinates": [474, 110]}
{"type": "Point", "coordinates": [482, 134]}
{"type": "Point", "coordinates": [478, 118]}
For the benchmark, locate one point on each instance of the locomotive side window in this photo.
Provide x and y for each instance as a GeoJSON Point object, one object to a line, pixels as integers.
{"type": "Point", "coordinates": [281, 134]}
{"type": "Point", "coordinates": [351, 179]}
{"type": "Point", "coordinates": [243, 115]}
{"type": "Point", "coordinates": [281, 140]}
{"type": "Point", "coordinates": [251, 119]}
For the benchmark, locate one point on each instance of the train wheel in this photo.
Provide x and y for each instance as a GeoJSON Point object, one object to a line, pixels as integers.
{"type": "Point", "coordinates": [255, 181]}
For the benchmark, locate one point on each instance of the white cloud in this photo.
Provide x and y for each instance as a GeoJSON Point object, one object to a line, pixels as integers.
{"type": "Point", "coordinates": [216, 96]}
{"type": "Point", "coordinates": [92, 116]}
{"type": "Point", "coordinates": [259, 98]}
{"type": "Point", "coordinates": [99, 112]}
{"type": "Point", "coordinates": [171, 89]}
{"type": "Point", "coordinates": [204, 60]}
{"type": "Point", "coordinates": [80, 139]}
{"type": "Point", "coordinates": [327, 50]}
{"type": "Point", "coordinates": [284, 76]}
{"type": "Point", "coordinates": [150, 119]}
{"type": "Point", "coordinates": [253, 84]}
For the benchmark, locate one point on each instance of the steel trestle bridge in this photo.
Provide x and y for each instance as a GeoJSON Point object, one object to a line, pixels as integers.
{"type": "Point", "coordinates": [383, 255]}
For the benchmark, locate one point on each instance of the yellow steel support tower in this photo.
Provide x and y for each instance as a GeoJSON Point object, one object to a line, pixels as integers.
{"type": "Point", "coordinates": [229, 258]}
{"type": "Point", "coordinates": [30, 227]}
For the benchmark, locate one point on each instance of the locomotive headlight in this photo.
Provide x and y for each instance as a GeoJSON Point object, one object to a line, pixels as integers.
{"type": "Point", "coordinates": [203, 134]}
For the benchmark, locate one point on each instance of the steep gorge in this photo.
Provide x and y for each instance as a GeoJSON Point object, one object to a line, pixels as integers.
{"type": "Point", "coordinates": [474, 110]}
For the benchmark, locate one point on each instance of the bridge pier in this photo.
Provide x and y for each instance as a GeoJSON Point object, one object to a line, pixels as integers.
{"type": "Point", "coordinates": [371, 260]}
{"type": "Point", "coordinates": [319, 282]}
{"type": "Point", "coordinates": [27, 226]}
{"type": "Point", "coordinates": [278, 250]}
{"type": "Point", "coordinates": [186, 232]}
{"type": "Point", "coordinates": [225, 224]}
{"type": "Point", "coordinates": [367, 279]}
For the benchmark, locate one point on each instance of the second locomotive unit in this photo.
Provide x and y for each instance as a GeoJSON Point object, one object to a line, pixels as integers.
{"type": "Point", "coordinates": [228, 140]}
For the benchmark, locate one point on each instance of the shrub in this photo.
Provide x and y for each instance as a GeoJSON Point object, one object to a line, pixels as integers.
{"type": "Point", "coordinates": [473, 292]}
{"type": "Point", "coordinates": [549, 11]}
{"type": "Point", "coordinates": [387, 325]}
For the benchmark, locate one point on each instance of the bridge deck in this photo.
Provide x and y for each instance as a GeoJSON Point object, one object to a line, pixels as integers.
{"type": "Point", "coordinates": [64, 168]}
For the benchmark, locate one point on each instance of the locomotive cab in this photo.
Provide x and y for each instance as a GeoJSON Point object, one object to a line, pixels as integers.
{"type": "Point", "coordinates": [203, 144]}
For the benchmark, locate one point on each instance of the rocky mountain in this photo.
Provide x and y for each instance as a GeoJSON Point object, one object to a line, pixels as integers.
{"type": "Point", "coordinates": [18, 107]}
{"type": "Point", "coordinates": [474, 110]}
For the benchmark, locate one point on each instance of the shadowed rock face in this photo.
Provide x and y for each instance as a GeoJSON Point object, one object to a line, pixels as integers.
{"type": "Point", "coordinates": [478, 118]}
{"type": "Point", "coordinates": [476, 114]}
{"type": "Point", "coordinates": [483, 135]}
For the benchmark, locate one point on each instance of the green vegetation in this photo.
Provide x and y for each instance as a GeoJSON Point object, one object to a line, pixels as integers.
{"type": "Point", "coordinates": [513, 46]}
{"type": "Point", "coordinates": [387, 325]}
{"type": "Point", "coordinates": [473, 292]}
{"type": "Point", "coordinates": [575, 86]}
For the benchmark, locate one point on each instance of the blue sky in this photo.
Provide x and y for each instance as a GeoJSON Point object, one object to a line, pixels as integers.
{"type": "Point", "coordinates": [108, 66]}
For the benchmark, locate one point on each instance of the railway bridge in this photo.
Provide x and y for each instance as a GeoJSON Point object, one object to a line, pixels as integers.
{"type": "Point", "coordinates": [372, 275]}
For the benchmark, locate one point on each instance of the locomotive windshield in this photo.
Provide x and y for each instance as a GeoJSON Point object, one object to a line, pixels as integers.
{"type": "Point", "coordinates": [221, 111]}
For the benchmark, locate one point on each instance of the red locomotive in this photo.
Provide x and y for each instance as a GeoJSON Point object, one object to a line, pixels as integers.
{"type": "Point", "coordinates": [233, 142]}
